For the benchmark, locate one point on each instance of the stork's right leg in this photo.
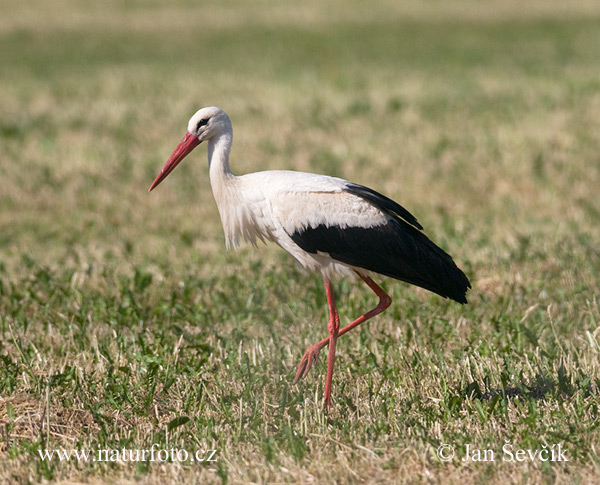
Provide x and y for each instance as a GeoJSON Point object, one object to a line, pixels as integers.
{"type": "Point", "coordinates": [334, 330]}
{"type": "Point", "coordinates": [312, 353]}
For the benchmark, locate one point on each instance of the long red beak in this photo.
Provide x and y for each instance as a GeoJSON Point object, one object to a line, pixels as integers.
{"type": "Point", "coordinates": [189, 142]}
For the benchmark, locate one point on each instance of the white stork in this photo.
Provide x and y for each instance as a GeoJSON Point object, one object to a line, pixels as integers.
{"type": "Point", "coordinates": [331, 226]}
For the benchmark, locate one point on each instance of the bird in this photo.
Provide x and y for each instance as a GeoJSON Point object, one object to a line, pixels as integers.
{"type": "Point", "coordinates": [331, 226]}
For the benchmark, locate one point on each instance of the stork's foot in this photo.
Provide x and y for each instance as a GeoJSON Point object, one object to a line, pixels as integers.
{"type": "Point", "coordinates": [308, 360]}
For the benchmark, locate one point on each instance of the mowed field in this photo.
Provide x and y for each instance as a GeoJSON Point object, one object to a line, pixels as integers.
{"type": "Point", "coordinates": [124, 323]}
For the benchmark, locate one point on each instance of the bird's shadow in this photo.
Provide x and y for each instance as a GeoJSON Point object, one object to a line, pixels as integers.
{"type": "Point", "coordinates": [541, 387]}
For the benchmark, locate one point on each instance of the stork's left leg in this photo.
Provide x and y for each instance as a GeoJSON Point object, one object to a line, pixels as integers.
{"type": "Point", "coordinates": [311, 355]}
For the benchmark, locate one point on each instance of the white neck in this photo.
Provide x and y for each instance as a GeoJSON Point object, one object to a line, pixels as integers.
{"type": "Point", "coordinates": [218, 156]}
{"type": "Point", "coordinates": [218, 168]}
{"type": "Point", "coordinates": [225, 188]}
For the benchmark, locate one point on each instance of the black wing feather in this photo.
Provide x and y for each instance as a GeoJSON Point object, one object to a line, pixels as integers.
{"type": "Point", "coordinates": [396, 248]}
{"type": "Point", "coordinates": [382, 202]}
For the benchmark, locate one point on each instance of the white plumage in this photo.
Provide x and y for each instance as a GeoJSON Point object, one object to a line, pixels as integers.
{"type": "Point", "coordinates": [272, 205]}
{"type": "Point", "coordinates": [331, 226]}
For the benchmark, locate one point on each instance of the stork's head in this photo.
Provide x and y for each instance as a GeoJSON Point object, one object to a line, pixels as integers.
{"type": "Point", "coordinates": [206, 124]}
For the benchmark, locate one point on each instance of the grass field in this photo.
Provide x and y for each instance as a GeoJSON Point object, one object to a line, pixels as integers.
{"type": "Point", "coordinates": [124, 322]}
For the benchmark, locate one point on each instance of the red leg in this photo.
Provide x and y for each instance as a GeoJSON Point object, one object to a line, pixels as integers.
{"type": "Point", "coordinates": [334, 329]}
{"type": "Point", "coordinates": [311, 355]}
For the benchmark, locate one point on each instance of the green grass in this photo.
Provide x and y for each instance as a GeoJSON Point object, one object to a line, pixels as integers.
{"type": "Point", "coordinates": [124, 322]}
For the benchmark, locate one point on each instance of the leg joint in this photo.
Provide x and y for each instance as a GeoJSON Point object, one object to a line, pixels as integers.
{"type": "Point", "coordinates": [385, 301]}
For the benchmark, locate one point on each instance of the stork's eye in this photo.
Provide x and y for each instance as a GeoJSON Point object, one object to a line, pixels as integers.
{"type": "Point", "coordinates": [202, 122]}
